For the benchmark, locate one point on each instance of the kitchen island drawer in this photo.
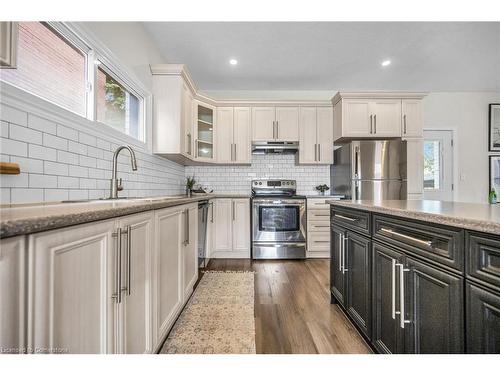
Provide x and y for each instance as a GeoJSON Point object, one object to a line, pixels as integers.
{"type": "Point", "coordinates": [434, 243]}
{"type": "Point", "coordinates": [356, 220]}
{"type": "Point", "coordinates": [483, 257]}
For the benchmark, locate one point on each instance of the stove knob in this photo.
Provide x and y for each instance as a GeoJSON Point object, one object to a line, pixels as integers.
{"type": "Point", "coordinates": [260, 183]}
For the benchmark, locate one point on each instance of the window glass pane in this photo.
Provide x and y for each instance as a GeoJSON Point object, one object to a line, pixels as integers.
{"type": "Point", "coordinates": [432, 164]}
{"type": "Point", "coordinates": [116, 106]}
{"type": "Point", "coordinates": [49, 67]}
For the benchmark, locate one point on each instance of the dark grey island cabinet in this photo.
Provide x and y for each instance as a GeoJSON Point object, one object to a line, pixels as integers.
{"type": "Point", "coordinates": [415, 287]}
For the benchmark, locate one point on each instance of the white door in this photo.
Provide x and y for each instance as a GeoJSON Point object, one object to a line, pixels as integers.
{"type": "Point", "coordinates": [324, 126]}
{"type": "Point", "coordinates": [263, 120]}
{"type": "Point", "coordinates": [189, 249]}
{"type": "Point", "coordinates": [224, 134]}
{"type": "Point", "coordinates": [287, 124]}
{"type": "Point", "coordinates": [356, 120]}
{"type": "Point", "coordinates": [241, 226]}
{"type": "Point", "coordinates": [187, 121]}
{"type": "Point", "coordinates": [438, 165]}
{"type": "Point", "coordinates": [307, 136]}
{"type": "Point", "coordinates": [412, 118]}
{"type": "Point", "coordinates": [135, 311]}
{"type": "Point", "coordinates": [223, 225]}
{"type": "Point", "coordinates": [242, 137]}
{"type": "Point", "coordinates": [386, 117]}
{"type": "Point", "coordinates": [71, 284]}
{"type": "Point", "coordinates": [13, 294]}
{"type": "Point", "coordinates": [168, 296]}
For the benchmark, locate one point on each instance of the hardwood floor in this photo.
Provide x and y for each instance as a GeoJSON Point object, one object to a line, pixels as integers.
{"type": "Point", "coordinates": [293, 313]}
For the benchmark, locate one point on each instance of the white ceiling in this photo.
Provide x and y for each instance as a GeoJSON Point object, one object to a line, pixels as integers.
{"type": "Point", "coordinates": [334, 55]}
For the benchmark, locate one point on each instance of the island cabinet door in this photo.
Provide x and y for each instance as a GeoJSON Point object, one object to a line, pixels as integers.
{"type": "Point", "coordinates": [433, 309]}
{"type": "Point", "coordinates": [483, 320]}
{"type": "Point", "coordinates": [387, 335]}
{"type": "Point", "coordinates": [337, 276]}
{"type": "Point", "coordinates": [357, 268]}
{"type": "Point", "coordinates": [73, 290]}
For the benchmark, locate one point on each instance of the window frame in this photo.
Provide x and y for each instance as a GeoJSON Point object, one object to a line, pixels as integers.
{"type": "Point", "coordinates": [79, 37]}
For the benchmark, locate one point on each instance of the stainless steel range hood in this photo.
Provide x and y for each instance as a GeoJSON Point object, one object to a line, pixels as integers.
{"type": "Point", "coordinates": [275, 147]}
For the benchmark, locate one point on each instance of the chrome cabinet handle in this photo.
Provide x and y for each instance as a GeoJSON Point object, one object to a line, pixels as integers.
{"type": "Point", "coordinates": [371, 124]}
{"type": "Point", "coordinates": [117, 295]}
{"type": "Point", "coordinates": [186, 227]}
{"type": "Point", "coordinates": [197, 147]}
{"type": "Point", "coordinates": [405, 237]}
{"type": "Point", "coordinates": [129, 258]}
{"type": "Point", "coordinates": [341, 243]}
{"type": "Point", "coordinates": [375, 124]}
{"type": "Point", "coordinates": [322, 241]}
{"type": "Point", "coordinates": [235, 153]}
{"type": "Point", "coordinates": [393, 293]}
{"type": "Point", "coordinates": [189, 143]}
{"type": "Point", "coordinates": [321, 226]}
{"type": "Point", "coordinates": [233, 214]}
{"type": "Point", "coordinates": [345, 217]}
{"type": "Point", "coordinates": [404, 124]}
{"type": "Point", "coordinates": [315, 152]}
{"type": "Point", "coordinates": [402, 271]}
{"type": "Point", "coordinates": [274, 129]}
{"type": "Point", "coordinates": [212, 212]}
{"type": "Point", "coordinates": [277, 129]}
{"type": "Point", "coordinates": [346, 239]}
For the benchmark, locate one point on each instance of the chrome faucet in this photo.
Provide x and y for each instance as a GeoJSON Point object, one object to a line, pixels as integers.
{"type": "Point", "coordinates": [116, 185]}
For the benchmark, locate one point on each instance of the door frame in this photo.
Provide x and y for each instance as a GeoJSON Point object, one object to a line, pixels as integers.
{"type": "Point", "coordinates": [454, 153]}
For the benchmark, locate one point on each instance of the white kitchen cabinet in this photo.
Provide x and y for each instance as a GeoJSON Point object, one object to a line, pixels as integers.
{"type": "Point", "coordinates": [316, 135]}
{"type": "Point", "coordinates": [8, 44]}
{"type": "Point", "coordinates": [234, 144]}
{"type": "Point", "coordinates": [72, 283]}
{"type": "Point", "coordinates": [318, 228]}
{"type": "Point", "coordinates": [167, 271]}
{"type": "Point", "coordinates": [189, 249]}
{"type": "Point", "coordinates": [287, 124]}
{"type": "Point", "coordinates": [415, 168]}
{"type": "Point", "coordinates": [231, 228]}
{"type": "Point", "coordinates": [204, 127]}
{"type": "Point", "coordinates": [187, 122]}
{"type": "Point", "coordinates": [134, 313]}
{"type": "Point", "coordinates": [263, 124]}
{"type": "Point", "coordinates": [377, 115]}
{"type": "Point", "coordinates": [412, 126]}
{"type": "Point", "coordinates": [13, 259]}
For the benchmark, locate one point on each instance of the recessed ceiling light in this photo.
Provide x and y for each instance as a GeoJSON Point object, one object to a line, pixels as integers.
{"type": "Point", "coordinates": [386, 63]}
{"type": "Point", "coordinates": [233, 62]}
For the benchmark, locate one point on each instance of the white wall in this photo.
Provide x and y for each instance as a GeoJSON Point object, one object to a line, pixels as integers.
{"type": "Point", "coordinates": [467, 114]}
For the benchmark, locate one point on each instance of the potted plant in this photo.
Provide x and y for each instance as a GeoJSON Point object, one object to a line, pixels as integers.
{"type": "Point", "coordinates": [322, 189]}
{"type": "Point", "coordinates": [190, 181]}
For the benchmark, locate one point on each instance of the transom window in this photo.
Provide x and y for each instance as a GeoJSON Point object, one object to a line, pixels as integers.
{"type": "Point", "coordinates": [57, 65]}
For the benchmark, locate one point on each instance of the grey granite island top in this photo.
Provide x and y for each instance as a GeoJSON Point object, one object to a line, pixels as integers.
{"type": "Point", "coordinates": [472, 216]}
{"type": "Point", "coordinates": [31, 218]}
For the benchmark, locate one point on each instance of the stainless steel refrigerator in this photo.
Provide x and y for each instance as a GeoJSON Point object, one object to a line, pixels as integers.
{"type": "Point", "coordinates": [370, 170]}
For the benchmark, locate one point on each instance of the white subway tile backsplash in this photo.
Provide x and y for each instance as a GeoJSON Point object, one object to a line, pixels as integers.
{"type": "Point", "coordinates": [13, 115]}
{"type": "Point", "coordinates": [51, 195]}
{"type": "Point", "coordinates": [86, 161]}
{"type": "Point", "coordinates": [22, 133]}
{"type": "Point", "coordinates": [67, 157]}
{"type": "Point", "coordinates": [68, 133]}
{"type": "Point", "coordinates": [53, 141]}
{"type": "Point", "coordinates": [14, 180]}
{"type": "Point", "coordinates": [87, 139]}
{"type": "Point", "coordinates": [28, 165]}
{"type": "Point", "coordinates": [68, 182]}
{"type": "Point", "coordinates": [42, 181]}
{"type": "Point", "coordinates": [4, 195]}
{"type": "Point", "coordinates": [40, 152]}
{"type": "Point", "coordinates": [41, 124]}
{"type": "Point", "coordinates": [75, 170]}
{"type": "Point", "coordinates": [59, 169]}
{"type": "Point", "coordinates": [20, 195]}
{"type": "Point", "coordinates": [12, 147]}
{"type": "Point", "coordinates": [4, 129]}
{"type": "Point", "coordinates": [78, 194]}
{"type": "Point", "coordinates": [77, 148]}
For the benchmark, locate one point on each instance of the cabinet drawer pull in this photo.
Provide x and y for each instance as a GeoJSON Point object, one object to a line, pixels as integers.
{"type": "Point", "coordinates": [321, 241]}
{"type": "Point", "coordinates": [321, 226]}
{"type": "Point", "coordinates": [345, 217]}
{"type": "Point", "coordinates": [402, 271]}
{"type": "Point", "coordinates": [186, 227]}
{"type": "Point", "coordinates": [341, 242]}
{"type": "Point", "coordinates": [405, 237]}
{"type": "Point", "coordinates": [346, 239]}
{"type": "Point", "coordinates": [393, 291]}
{"type": "Point", "coordinates": [129, 258]}
{"type": "Point", "coordinates": [117, 295]}
{"type": "Point", "coordinates": [404, 123]}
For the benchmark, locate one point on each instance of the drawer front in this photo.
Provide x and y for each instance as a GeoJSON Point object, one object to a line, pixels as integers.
{"type": "Point", "coordinates": [318, 241]}
{"type": "Point", "coordinates": [321, 215]}
{"type": "Point", "coordinates": [318, 226]}
{"type": "Point", "coordinates": [483, 257]}
{"type": "Point", "coordinates": [317, 203]}
{"type": "Point", "coordinates": [358, 221]}
{"type": "Point", "coordinates": [438, 244]}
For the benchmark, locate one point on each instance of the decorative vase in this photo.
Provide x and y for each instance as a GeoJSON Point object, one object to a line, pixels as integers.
{"type": "Point", "coordinates": [322, 193]}
{"type": "Point", "coordinates": [188, 193]}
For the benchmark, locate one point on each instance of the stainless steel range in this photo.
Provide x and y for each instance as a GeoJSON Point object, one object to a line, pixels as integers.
{"type": "Point", "coordinates": [278, 220]}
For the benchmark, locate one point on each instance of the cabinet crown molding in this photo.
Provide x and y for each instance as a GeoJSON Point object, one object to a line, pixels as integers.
{"type": "Point", "coordinates": [377, 95]}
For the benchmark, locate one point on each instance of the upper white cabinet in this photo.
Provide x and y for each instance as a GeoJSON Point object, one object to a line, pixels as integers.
{"type": "Point", "coordinates": [73, 289]}
{"type": "Point", "coordinates": [8, 44]}
{"type": "Point", "coordinates": [275, 124]}
{"type": "Point", "coordinates": [377, 115]}
{"type": "Point", "coordinates": [234, 135]}
{"type": "Point", "coordinates": [316, 135]}
{"type": "Point", "coordinates": [13, 295]}
{"type": "Point", "coordinates": [204, 129]}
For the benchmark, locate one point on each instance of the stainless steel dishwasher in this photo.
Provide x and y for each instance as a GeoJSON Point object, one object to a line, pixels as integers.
{"type": "Point", "coordinates": [202, 233]}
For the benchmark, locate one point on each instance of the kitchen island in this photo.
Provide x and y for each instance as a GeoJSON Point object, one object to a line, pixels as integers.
{"type": "Point", "coordinates": [418, 276]}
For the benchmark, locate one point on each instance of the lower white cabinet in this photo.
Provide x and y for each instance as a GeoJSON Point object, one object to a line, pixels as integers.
{"type": "Point", "coordinates": [12, 295]}
{"type": "Point", "coordinates": [71, 280]}
{"type": "Point", "coordinates": [231, 228]}
{"type": "Point", "coordinates": [175, 265]}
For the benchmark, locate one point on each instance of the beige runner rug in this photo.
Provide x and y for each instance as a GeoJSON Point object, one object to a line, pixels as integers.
{"type": "Point", "coordinates": [219, 317]}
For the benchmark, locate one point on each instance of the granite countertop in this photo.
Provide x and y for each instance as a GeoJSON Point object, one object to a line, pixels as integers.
{"type": "Point", "coordinates": [31, 218]}
{"type": "Point", "coordinates": [473, 216]}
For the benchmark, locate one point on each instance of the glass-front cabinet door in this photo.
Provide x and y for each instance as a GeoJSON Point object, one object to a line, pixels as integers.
{"type": "Point", "coordinates": [204, 125]}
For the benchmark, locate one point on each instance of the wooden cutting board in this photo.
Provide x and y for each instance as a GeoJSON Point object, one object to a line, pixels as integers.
{"type": "Point", "coordinates": [9, 168]}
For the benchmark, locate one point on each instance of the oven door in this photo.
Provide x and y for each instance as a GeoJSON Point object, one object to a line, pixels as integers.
{"type": "Point", "coordinates": [279, 220]}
